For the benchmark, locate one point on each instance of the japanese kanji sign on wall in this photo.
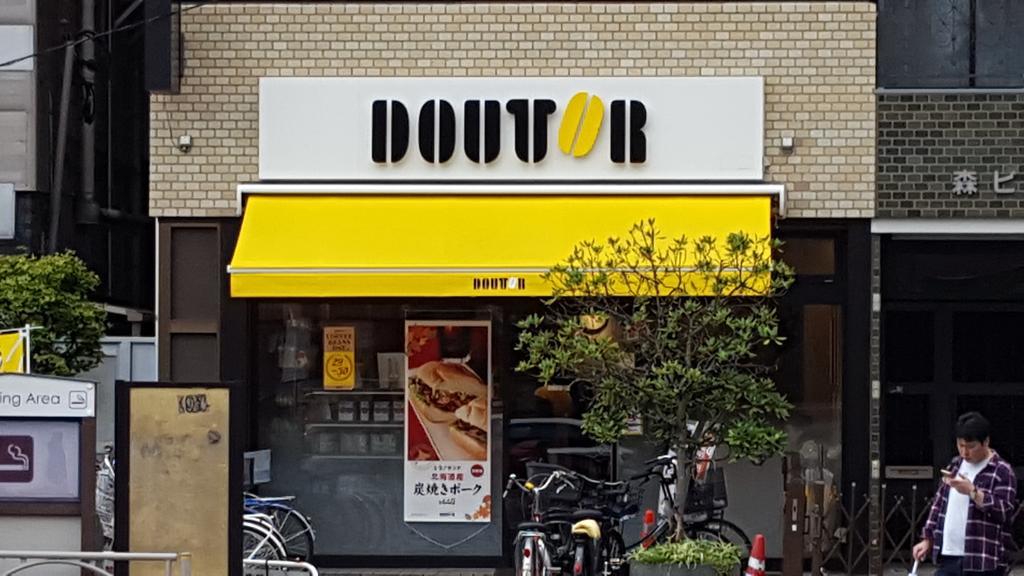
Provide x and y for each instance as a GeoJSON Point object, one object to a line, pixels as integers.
{"type": "Point", "coordinates": [965, 182]}
{"type": "Point", "coordinates": [448, 421]}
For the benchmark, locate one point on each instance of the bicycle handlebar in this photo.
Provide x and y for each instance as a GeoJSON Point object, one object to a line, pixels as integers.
{"type": "Point", "coordinates": [662, 460]}
{"type": "Point", "coordinates": [514, 481]}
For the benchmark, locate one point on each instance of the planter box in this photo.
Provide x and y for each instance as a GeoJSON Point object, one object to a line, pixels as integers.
{"type": "Point", "coordinates": [638, 569]}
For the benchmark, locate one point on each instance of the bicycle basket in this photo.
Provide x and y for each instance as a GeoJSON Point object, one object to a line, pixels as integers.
{"type": "Point", "coordinates": [708, 494]}
{"type": "Point", "coordinates": [621, 502]}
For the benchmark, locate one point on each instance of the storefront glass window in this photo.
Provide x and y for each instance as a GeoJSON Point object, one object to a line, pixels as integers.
{"type": "Point", "coordinates": [909, 439]}
{"type": "Point", "coordinates": [810, 256]}
{"type": "Point", "coordinates": [815, 426]}
{"type": "Point", "coordinates": [342, 452]}
{"type": "Point", "coordinates": [988, 346]}
{"type": "Point", "coordinates": [909, 337]}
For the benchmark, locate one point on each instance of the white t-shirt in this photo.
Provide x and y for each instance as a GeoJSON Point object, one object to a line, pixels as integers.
{"type": "Point", "coordinates": [954, 529]}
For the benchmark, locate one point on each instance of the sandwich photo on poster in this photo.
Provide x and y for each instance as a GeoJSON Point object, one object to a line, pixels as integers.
{"type": "Point", "coordinates": [447, 423]}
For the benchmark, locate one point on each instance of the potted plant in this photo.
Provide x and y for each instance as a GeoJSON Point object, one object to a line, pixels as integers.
{"type": "Point", "coordinates": [689, 557]}
{"type": "Point", "coordinates": [676, 331]}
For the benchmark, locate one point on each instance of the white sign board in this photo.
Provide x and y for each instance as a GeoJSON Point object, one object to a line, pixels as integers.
{"type": "Point", "coordinates": [567, 129]}
{"type": "Point", "coordinates": [39, 460]}
{"type": "Point", "coordinates": [25, 396]}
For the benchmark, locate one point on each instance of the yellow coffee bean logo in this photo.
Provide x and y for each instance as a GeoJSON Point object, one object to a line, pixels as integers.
{"type": "Point", "coordinates": [580, 124]}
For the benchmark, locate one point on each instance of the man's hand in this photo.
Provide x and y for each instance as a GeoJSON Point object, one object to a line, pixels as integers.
{"type": "Point", "coordinates": [921, 549]}
{"type": "Point", "coordinates": [960, 484]}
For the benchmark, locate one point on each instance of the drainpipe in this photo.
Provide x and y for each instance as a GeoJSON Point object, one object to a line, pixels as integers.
{"type": "Point", "coordinates": [86, 209]}
{"type": "Point", "coordinates": [62, 140]}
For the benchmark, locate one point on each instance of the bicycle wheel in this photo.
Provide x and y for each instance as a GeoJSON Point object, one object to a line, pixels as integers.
{"type": "Point", "coordinates": [260, 543]}
{"type": "Point", "coordinates": [613, 554]}
{"type": "Point", "coordinates": [723, 531]}
{"type": "Point", "coordinates": [296, 532]}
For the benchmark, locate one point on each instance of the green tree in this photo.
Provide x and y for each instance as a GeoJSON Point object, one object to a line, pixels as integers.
{"type": "Point", "coordinates": [684, 331]}
{"type": "Point", "coordinates": [52, 292]}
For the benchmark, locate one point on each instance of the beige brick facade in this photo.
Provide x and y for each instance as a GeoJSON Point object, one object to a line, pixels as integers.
{"type": "Point", "coordinates": [817, 58]}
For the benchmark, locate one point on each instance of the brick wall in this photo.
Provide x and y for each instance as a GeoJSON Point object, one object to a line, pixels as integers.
{"type": "Point", "coordinates": [924, 140]}
{"type": "Point", "coordinates": [817, 58]}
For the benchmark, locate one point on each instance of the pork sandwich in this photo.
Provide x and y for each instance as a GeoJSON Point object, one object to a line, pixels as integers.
{"type": "Point", "coordinates": [469, 431]}
{"type": "Point", "coordinates": [438, 389]}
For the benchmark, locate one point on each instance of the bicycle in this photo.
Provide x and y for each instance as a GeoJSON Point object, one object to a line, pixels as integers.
{"type": "Point", "coordinates": [619, 501]}
{"type": "Point", "coordinates": [105, 501]}
{"type": "Point", "coordinates": [292, 529]}
{"type": "Point", "coordinates": [537, 548]}
{"type": "Point", "coordinates": [703, 516]}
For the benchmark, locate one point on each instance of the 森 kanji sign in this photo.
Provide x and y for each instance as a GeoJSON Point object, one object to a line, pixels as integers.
{"type": "Point", "coordinates": [966, 182]}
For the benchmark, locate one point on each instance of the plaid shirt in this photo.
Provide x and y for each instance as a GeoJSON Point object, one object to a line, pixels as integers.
{"type": "Point", "coordinates": [988, 525]}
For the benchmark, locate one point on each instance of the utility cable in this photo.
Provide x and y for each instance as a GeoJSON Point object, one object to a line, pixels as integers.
{"type": "Point", "coordinates": [90, 37]}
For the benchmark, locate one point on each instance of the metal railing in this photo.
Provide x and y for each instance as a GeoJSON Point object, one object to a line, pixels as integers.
{"type": "Point", "coordinates": [253, 566]}
{"type": "Point", "coordinates": [91, 561]}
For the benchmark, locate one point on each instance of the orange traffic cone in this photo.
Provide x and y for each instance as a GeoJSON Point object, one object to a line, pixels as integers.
{"type": "Point", "coordinates": [755, 566]}
{"type": "Point", "coordinates": [648, 527]}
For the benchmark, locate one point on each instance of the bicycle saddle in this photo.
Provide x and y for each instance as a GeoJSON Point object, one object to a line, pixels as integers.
{"type": "Point", "coordinates": [531, 526]}
{"type": "Point", "coordinates": [586, 514]}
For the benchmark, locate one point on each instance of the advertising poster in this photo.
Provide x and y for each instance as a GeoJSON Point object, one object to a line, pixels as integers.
{"type": "Point", "coordinates": [447, 424]}
{"type": "Point", "coordinates": [339, 357]}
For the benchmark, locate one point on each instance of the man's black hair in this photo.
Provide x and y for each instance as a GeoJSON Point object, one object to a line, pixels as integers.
{"type": "Point", "coordinates": [972, 427]}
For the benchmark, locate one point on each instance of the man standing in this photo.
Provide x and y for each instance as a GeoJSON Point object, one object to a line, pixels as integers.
{"type": "Point", "coordinates": [970, 516]}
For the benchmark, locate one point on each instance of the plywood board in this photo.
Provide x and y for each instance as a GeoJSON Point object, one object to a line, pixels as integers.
{"type": "Point", "coordinates": [179, 489]}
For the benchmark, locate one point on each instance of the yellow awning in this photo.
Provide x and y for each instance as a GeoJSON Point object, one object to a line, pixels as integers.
{"type": "Point", "coordinates": [393, 245]}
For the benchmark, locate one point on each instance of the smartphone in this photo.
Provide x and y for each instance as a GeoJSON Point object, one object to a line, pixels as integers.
{"type": "Point", "coordinates": [946, 473]}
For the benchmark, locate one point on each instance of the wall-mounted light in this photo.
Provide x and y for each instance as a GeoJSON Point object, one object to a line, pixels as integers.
{"type": "Point", "coordinates": [788, 144]}
{"type": "Point", "coordinates": [185, 143]}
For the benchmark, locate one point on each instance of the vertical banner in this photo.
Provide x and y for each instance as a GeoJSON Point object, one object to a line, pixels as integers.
{"type": "Point", "coordinates": [12, 350]}
{"type": "Point", "coordinates": [448, 421]}
{"type": "Point", "coordinates": [340, 357]}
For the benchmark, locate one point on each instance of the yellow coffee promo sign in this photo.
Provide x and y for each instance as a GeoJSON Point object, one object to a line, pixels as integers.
{"type": "Point", "coordinates": [12, 352]}
{"type": "Point", "coordinates": [340, 357]}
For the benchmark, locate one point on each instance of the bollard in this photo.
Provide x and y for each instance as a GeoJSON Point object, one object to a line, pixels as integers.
{"type": "Point", "coordinates": [793, 520]}
{"type": "Point", "coordinates": [185, 559]}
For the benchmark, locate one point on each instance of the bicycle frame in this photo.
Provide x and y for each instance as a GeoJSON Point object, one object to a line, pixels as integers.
{"type": "Point", "coordinates": [531, 544]}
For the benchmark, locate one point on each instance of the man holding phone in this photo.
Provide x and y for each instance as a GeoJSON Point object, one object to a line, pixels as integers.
{"type": "Point", "coordinates": [970, 517]}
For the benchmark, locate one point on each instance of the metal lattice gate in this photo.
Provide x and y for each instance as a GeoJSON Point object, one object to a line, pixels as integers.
{"type": "Point", "coordinates": [841, 544]}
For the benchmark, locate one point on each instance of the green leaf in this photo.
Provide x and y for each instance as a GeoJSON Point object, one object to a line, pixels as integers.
{"type": "Point", "coordinates": [688, 345]}
{"type": "Point", "coordinates": [52, 292]}
{"type": "Point", "coordinates": [723, 557]}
